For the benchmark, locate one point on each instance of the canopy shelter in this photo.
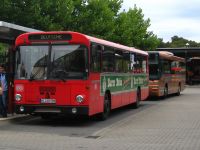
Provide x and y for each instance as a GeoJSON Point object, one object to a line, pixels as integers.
{"type": "Point", "coordinates": [9, 32]}
{"type": "Point", "coordinates": [185, 52]}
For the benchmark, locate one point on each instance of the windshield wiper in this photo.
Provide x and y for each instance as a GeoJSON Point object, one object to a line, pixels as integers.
{"type": "Point", "coordinates": [32, 76]}
{"type": "Point", "coordinates": [60, 74]}
{"type": "Point", "coordinates": [43, 65]}
{"type": "Point", "coordinates": [61, 78]}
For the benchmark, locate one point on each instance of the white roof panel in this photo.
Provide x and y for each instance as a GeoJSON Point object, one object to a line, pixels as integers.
{"type": "Point", "coordinates": [9, 31]}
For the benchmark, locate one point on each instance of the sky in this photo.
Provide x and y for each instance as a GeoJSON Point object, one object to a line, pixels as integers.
{"type": "Point", "coordinates": [170, 17]}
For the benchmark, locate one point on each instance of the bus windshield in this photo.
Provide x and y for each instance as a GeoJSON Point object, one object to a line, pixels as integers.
{"type": "Point", "coordinates": [68, 61]}
{"type": "Point", "coordinates": [51, 62]}
{"type": "Point", "coordinates": [154, 73]}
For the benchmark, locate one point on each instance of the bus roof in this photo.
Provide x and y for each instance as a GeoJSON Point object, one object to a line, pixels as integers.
{"type": "Point", "coordinates": [116, 45]}
{"type": "Point", "coordinates": [162, 52]}
{"type": "Point", "coordinates": [195, 58]}
{"type": "Point", "coordinates": [167, 55]}
{"type": "Point", "coordinates": [89, 38]}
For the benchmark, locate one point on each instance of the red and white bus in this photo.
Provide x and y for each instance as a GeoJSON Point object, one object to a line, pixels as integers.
{"type": "Point", "coordinates": [72, 73]}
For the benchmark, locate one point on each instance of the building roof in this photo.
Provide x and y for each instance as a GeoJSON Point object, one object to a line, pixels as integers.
{"type": "Point", "coordinates": [180, 48]}
{"type": "Point", "coordinates": [9, 32]}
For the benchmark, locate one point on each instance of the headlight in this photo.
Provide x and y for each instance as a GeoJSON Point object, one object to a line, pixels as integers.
{"type": "Point", "coordinates": [21, 108]}
{"type": "Point", "coordinates": [18, 97]}
{"type": "Point", "coordinates": [79, 98]}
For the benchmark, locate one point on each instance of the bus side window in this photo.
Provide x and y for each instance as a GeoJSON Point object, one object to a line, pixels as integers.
{"type": "Point", "coordinates": [133, 63]}
{"type": "Point", "coordinates": [166, 66]}
{"type": "Point", "coordinates": [96, 58]}
{"type": "Point", "coordinates": [176, 67]}
{"type": "Point", "coordinates": [144, 64]}
{"type": "Point", "coordinates": [137, 64]}
{"type": "Point", "coordinates": [118, 61]}
{"type": "Point", "coordinates": [126, 62]}
{"type": "Point", "coordinates": [108, 63]}
{"type": "Point", "coordinates": [182, 65]}
{"type": "Point", "coordinates": [140, 65]}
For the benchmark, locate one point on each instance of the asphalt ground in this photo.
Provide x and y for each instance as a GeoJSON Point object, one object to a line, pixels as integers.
{"type": "Point", "coordinates": [169, 124]}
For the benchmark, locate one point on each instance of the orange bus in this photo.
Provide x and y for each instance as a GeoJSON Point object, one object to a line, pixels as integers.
{"type": "Point", "coordinates": [166, 73]}
{"type": "Point", "coordinates": [74, 74]}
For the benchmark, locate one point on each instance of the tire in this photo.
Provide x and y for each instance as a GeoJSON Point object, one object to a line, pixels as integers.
{"type": "Point", "coordinates": [138, 99]}
{"type": "Point", "coordinates": [46, 116]}
{"type": "Point", "coordinates": [106, 110]}
{"type": "Point", "coordinates": [179, 90]}
{"type": "Point", "coordinates": [165, 92]}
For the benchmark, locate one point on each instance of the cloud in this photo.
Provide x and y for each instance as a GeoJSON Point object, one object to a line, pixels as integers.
{"type": "Point", "coordinates": [186, 28]}
{"type": "Point", "coordinates": [171, 17]}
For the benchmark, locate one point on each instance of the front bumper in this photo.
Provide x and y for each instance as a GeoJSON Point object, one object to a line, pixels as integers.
{"type": "Point", "coordinates": [68, 110]}
{"type": "Point", "coordinates": [154, 91]}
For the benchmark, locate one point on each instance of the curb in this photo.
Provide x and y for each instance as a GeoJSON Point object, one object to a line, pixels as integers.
{"type": "Point", "coordinates": [192, 86]}
{"type": "Point", "coordinates": [15, 116]}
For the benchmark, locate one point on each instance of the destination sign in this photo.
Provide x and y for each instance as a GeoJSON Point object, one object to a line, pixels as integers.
{"type": "Point", "coordinates": [54, 37]}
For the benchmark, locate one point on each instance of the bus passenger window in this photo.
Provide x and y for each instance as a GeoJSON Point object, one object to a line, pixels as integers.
{"type": "Point", "coordinates": [141, 64]}
{"type": "Point", "coordinates": [108, 60]}
{"type": "Point", "coordinates": [144, 66]}
{"type": "Point", "coordinates": [182, 66]}
{"type": "Point", "coordinates": [118, 61]}
{"type": "Point", "coordinates": [132, 59]}
{"type": "Point", "coordinates": [166, 66]}
{"type": "Point", "coordinates": [136, 67]}
{"type": "Point", "coordinates": [126, 62]}
{"type": "Point", "coordinates": [96, 58]}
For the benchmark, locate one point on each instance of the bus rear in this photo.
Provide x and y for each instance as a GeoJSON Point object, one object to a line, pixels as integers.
{"type": "Point", "coordinates": [51, 74]}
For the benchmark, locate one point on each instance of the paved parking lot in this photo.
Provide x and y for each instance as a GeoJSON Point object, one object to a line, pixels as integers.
{"type": "Point", "coordinates": [170, 124]}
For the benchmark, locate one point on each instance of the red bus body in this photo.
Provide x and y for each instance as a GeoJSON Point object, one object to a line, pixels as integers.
{"type": "Point", "coordinates": [65, 92]}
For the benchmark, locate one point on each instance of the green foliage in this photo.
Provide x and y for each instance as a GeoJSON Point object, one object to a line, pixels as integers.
{"type": "Point", "coordinates": [99, 18]}
{"type": "Point", "coordinates": [150, 42]}
{"type": "Point", "coordinates": [177, 42]}
{"type": "Point", "coordinates": [42, 15]}
{"type": "Point", "coordinates": [3, 47]}
{"type": "Point", "coordinates": [131, 30]}
{"type": "Point", "coordinates": [94, 17]}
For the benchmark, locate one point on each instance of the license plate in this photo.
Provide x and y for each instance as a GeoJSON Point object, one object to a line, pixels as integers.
{"type": "Point", "coordinates": [48, 101]}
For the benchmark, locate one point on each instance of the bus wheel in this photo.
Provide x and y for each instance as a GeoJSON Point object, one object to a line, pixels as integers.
{"type": "Point", "coordinates": [46, 116]}
{"type": "Point", "coordinates": [106, 111]}
{"type": "Point", "coordinates": [138, 99]}
{"type": "Point", "coordinates": [179, 90]}
{"type": "Point", "coordinates": [165, 92]}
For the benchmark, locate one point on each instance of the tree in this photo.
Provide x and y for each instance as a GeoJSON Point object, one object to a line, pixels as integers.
{"type": "Point", "coordinates": [3, 47]}
{"type": "Point", "coordinates": [42, 15]}
{"type": "Point", "coordinates": [131, 29]}
{"type": "Point", "coordinates": [99, 18]}
{"type": "Point", "coordinates": [177, 41]}
{"type": "Point", "coordinates": [95, 17]}
{"type": "Point", "coordinates": [150, 42]}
